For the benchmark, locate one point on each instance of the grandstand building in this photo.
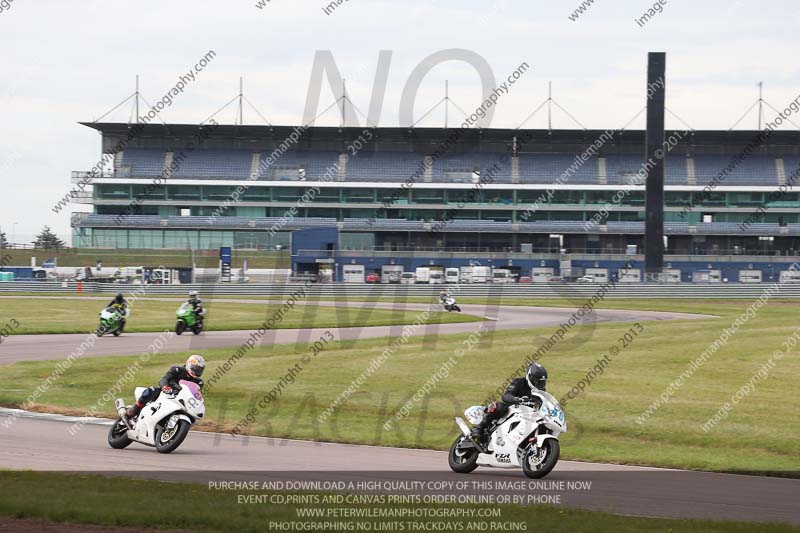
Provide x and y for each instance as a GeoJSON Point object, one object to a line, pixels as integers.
{"type": "Point", "coordinates": [521, 198]}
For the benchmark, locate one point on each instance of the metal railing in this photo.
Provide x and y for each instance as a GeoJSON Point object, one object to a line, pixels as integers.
{"type": "Point", "coordinates": [739, 291]}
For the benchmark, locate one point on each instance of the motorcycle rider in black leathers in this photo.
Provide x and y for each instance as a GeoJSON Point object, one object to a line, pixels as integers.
{"type": "Point", "coordinates": [197, 306]}
{"type": "Point", "coordinates": [191, 371]}
{"type": "Point", "coordinates": [518, 391]}
{"type": "Point", "coordinates": [120, 304]}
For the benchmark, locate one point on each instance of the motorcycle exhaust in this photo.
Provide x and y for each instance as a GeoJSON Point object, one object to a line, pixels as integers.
{"type": "Point", "coordinates": [122, 411]}
{"type": "Point", "coordinates": [463, 427]}
{"type": "Point", "coordinates": [119, 403]}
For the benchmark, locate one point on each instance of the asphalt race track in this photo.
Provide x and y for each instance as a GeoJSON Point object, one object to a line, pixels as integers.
{"type": "Point", "coordinates": [41, 442]}
{"type": "Point", "coordinates": [43, 347]}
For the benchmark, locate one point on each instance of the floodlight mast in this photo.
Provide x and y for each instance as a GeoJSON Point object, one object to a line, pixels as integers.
{"type": "Point", "coordinates": [654, 183]}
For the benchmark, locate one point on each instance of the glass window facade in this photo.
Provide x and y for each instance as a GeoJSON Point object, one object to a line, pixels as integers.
{"type": "Point", "coordinates": [505, 204]}
{"type": "Point", "coordinates": [418, 196]}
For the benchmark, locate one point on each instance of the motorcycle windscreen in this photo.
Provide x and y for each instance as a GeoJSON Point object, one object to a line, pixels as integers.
{"type": "Point", "coordinates": [192, 387]}
{"type": "Point", "coordinates": [556, 411]}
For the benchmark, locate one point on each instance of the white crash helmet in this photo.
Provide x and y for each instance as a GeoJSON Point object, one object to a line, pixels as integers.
{"type": "Point", "coordinates": [195, 365]}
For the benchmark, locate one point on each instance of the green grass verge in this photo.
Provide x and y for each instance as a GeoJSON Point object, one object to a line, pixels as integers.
{"type": "Point", "coordinates": [81, 316]}
{"type": "Point", "coordinates": [602, 420]}
{"type": "Point", "coordinates": [141, 503]}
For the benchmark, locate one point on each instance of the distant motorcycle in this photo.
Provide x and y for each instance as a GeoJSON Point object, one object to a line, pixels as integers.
{"type": "Point", "coordinates": [188, 319]}
{"type": "Point", "coordinates": [526, 437]}
{"type": "Point", "coordinates": [450, 305]}
{"type": "Point", "coordinates": [112, 321]}
{"type": "Point", "coordinates": [163, 423]}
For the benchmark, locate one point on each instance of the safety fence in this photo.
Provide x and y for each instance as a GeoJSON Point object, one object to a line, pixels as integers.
{"type": "Point", "coordinates": [399, 292]}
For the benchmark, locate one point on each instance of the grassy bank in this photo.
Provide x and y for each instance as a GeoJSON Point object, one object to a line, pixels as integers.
{"type": "Point", "coordinates": [602, 419]}
{"type": "Point", "coordinates": [124, 502]}
{"type": "Point", "coordinates": [81, 316]}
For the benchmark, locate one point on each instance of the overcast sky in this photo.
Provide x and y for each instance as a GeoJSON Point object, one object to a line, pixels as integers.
{"type": "Point", "coordinates": [67, 61]}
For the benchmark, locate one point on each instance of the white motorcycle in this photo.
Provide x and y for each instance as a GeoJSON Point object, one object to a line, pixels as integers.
{"type": "Point", "coordinates": [163, 423]}
{"type": "Point", "coordinates": [526, 437]}
{"type": "Point", "coordinates": [449, 304]}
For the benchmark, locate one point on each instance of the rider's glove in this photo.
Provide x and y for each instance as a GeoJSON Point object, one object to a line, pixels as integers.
{"type": "Point", "coordinates": [166, 389]}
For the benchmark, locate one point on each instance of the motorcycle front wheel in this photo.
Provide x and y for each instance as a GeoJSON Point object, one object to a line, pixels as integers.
{"type": "Point", "coordinates": [180, 327]}
{"type": "Point", "coordinates": [462, 461]}
{"type": "Point", "coordinates": [118, 435]}
{"type": "Point", "coordinates": [168, 440]}
{"type": "Point", "coordinates": [538, 465]}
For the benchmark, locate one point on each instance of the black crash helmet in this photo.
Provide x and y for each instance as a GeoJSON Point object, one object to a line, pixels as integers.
{"type": "Point", "coordinates": [537, 376]}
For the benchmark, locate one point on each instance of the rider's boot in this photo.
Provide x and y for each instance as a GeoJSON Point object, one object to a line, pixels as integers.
{"type": "Point", "coordinates": [134, 411]}
{"type": "Point", "coordinates": [478, 436]}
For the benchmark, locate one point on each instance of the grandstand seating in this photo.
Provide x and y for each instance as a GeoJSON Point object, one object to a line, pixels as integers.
{"type": "Point", "coordinates": [619, 167]}
{"type": "Point", "coordinates": [140, 162]}
{"type": "Point", "coordinates": [370, 184]}
{"type": "Point", "coordinates": [547, 168]}
{"type": "Point", "coordinates": [791, 165]}
{"type": "Point", "coordinates": [449, 168]}
{"type": "Point", "coordinates": [754, 170]}
{"type": "Point", "coordinates": [384, 166]}
{"type": "Point", "coordinates": [214, 164]}
{"type": "Point", "coordinates": [460, 167]}
{"type": "Point", "coordinates": [287, 167]}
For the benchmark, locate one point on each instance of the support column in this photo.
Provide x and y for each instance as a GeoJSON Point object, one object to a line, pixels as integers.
{"type": "Point", "coordinates": [654, 159]}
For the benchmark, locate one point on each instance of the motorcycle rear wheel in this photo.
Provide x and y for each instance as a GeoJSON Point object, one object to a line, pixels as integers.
{"type": "Point", "coordinates": [552, 450]}
{"type": "Point", "coordinates": [171, 441]}
{"type": "Point", "coordinates": [462, 461]}
{"type": "Point", "coordinates": [118, 436]}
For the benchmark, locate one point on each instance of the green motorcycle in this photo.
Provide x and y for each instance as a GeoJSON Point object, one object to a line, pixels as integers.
{"type": "Point", "coordinates": [187, 319]}
{"type": "Point", "coordinates": [111, 321]}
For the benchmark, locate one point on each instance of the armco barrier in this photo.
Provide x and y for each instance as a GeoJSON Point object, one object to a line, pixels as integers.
{"type": "Point", "coordinates": [356, 291]}
{"type": "Point", "coordinates": [72, 287]}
